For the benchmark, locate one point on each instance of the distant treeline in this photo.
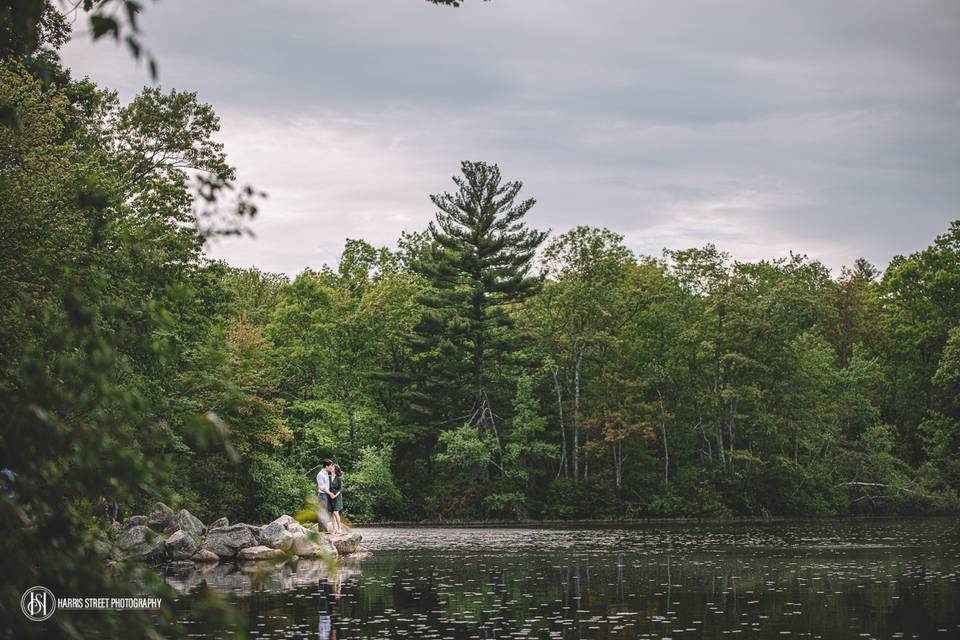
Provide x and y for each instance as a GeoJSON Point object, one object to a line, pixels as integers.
{"type": "Point", "coordinates": [469, 375]}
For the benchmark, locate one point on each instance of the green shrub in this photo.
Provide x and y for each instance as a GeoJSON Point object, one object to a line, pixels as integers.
{"type": "Point", "coordinates": [279, 487]}
{"type": "Point", "coordinates": [370, 492]}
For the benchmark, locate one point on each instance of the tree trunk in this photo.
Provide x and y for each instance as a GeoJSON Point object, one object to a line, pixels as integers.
{"type": "Point", "coordinates": [586, 460]}
{"type": "Point", "coordinates": [666, 448]}
{"type": "Point", "coordinates": [618, 464]}
{"type": "Point", "coordinates": [564, 468]}
{"type": "Point", "coordinates": [488, 418]}
{"type": "Point", "coordinates": [718, 423]}
{"type": "Point", "coordinates": [717, 404]}
{"type": "Point", "coordinates": [576, 414]}
{"type": "Point", "coordinates": [706, 440]}
{"type": "Point", "coordinates": [733, 430]}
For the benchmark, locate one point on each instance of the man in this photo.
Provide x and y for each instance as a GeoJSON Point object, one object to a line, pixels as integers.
{"type": "Point", "coordinates": [324, 494]}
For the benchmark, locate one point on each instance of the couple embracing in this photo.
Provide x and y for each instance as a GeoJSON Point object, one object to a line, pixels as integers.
{"type": "Point", "coordinates": [329, 488]}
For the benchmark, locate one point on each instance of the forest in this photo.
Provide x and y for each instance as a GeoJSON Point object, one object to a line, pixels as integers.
{"type": "Point", "coordinates": [480, 369]}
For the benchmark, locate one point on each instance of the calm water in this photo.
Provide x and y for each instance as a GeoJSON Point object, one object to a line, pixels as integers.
{"type": "Point", "coordinates": [862, 579]}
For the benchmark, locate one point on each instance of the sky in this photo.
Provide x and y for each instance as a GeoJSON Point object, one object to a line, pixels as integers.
{"type": "Point", "coordinates": [825, 128]}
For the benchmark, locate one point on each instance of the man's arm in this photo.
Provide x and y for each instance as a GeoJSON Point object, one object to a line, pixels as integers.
{"type": "Point", "coordinates": [323, 484]}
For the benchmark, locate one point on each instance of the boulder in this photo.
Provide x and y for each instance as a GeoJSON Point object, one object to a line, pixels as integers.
{"type": "Point", "coordinates": [258, 552]}
{"type": "Point", "coordinates": [285, 520]}
{"type": "Point", "coordinates": [189, 524]}
{"type": "Point", "coordinates": [181, 545]}
{"type": "Point", "coordinates": [292, 524]}
{"type": "Point", "coordinates": [219, 522]}
{"type": "Point", "coordinates": [205, 555]}
{"type": "Point", "coordinates": [161, 518]}
{"type": "Point", "coordinates": [134, 521]}
{"type": "Point", "coordinates": [140, 543]}
{"type": "Point", "coordinates": [275, 535]}
{"type": "Point", "coordinates": [308, 545]}
{"type": "Point", "coordinates": [346, 542]}
{"type": "Point", "coordinates": [226, 541]}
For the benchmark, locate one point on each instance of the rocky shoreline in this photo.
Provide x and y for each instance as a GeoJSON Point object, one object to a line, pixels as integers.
{"type": "Point", "coordinates": [168, 536]}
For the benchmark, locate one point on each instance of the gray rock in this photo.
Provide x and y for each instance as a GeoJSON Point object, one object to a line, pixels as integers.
{"type": "Point", "coordinates": [219, 522]}
{"type": "Point", "coordinates": [226, 541]}
{"type": "Point", "coordinates": [140, 543]}
{"type": "Point", "coordinates": [346, 542]}
{"type": "Point", "coordinates": [205, 555]}
{"type": "Point", "coordinates": [275, 535]}
{"type": "Point", "coordinates": [181, 545]}
{"type": "Point", "coordinates": [134, 521]}
{"type": "Point", "coordinates": [161, 517]}
{"type": "Point", "coordinates": [310, 545]}
{"type": "Point", "coordinates": [189, 524]}
{"type": "Point", "coordinates": [292, 524]}
{"type": "Point", "coordinates": [285, 520]}
{"type": "Point", "coordinates": [259, 552]}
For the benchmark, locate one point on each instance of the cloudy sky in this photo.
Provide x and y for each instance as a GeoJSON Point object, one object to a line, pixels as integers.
{"type": "Point", "coordinates": [827, 128]}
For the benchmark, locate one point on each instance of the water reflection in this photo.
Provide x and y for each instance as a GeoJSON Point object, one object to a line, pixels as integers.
{"type": "Point", "coordinates": [885, 579]}
{"type": "Point", "coordinates": [328, 596]}
{"type": "Point", "coordinates": [247, 578]}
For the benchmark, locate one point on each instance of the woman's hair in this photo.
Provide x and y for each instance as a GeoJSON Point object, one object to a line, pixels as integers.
{"type": "Point", "coordinates": [337, 470]}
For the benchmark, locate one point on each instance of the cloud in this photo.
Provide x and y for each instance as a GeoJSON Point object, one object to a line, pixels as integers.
{"type": "Point", "coordinates": [823, 128]}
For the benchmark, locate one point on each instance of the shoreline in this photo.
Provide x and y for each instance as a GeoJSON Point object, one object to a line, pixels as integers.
{"type": "Point", "coordinates": [607, 522]}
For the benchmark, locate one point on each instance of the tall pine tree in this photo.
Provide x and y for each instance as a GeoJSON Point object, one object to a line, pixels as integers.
{"type": "Point", "coordinates": [477, 261]}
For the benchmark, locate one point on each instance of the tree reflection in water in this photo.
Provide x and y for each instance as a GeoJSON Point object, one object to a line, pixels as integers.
{"type": "Point", "coordinates": [828, 579]}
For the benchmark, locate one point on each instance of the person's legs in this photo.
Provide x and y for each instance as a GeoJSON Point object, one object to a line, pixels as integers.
{"type": "Point", "coordinates": [324, 512]}
{"type": "Point", "coordinates": [334, 526]}
{"type": "Point", "coordinates": [336, 522]}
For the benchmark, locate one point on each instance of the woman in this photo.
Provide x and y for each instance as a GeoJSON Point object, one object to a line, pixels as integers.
{"type": "Point", "coordinates": [336, 503]}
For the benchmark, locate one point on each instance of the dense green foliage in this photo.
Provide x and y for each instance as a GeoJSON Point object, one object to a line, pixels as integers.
{"type": "Point", "coordinates": [480, 370]}
{"type": "Point", "coordinates": [105, 301]}
{"type": "Point", "coordinates": [586, 382]}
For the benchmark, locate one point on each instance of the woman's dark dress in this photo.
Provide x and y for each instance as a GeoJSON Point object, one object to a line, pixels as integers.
{"type": "Point", "coordinates": [336, 484]}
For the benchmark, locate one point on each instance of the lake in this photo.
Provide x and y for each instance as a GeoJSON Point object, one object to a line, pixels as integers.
{"type": "Point", "coordinates": [890, 578]}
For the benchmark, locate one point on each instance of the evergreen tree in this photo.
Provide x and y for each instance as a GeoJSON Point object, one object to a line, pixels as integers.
{"type": "Point", "coordinates": [478, 264]}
